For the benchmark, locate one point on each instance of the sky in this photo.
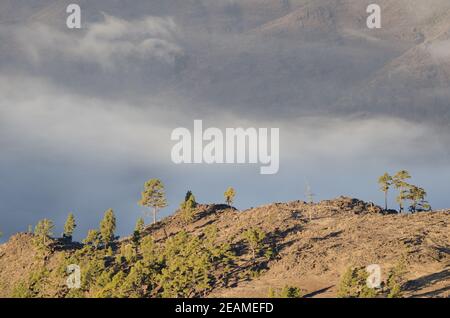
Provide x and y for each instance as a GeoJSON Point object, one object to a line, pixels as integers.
{"type": "Point", "coordinates": [86, 115]}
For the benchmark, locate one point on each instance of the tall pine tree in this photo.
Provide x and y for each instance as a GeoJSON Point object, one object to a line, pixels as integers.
{"type": "Point", "coordinates": [399, 181]}
{"type": "Point", "coordinates": [229, 196]}
{"type": "Point", "coordinates": [69, 227]}
{"type": "Point", "coordinates": [153, 196]}
{"type": "Point", "coordinates": [385, 182]}
{"type": "Point", "coordinates": [108, 227]}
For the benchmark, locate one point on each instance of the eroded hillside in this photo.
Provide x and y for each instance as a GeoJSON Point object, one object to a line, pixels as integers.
{"type": "Point", "coordinates": [311, 246]}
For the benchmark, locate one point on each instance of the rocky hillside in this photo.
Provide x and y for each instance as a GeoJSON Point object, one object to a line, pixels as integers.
{"type": "Point", "coordinates": [311, 246]}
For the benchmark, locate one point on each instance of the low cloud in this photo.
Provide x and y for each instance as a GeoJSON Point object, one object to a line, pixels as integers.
{"type": "Point", "coordinates": [86, 117]}
{"type": "Point", "coordinates": [381, 140]}
{"type": "Point", "coordinates": [70, 152]}
{"type": "Point", "coordinates": [107, 43]}
{"type": "Point", "coordinates": [46, 120]}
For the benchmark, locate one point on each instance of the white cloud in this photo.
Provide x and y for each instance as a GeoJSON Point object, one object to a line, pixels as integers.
{"type": "Point", "coordinates": [44, 118]}
{"type": "Point", "coordinates": [107, 43]}
{"type": "Point", "coordinates": [380, 140]}
{"type": "Point", "coordinates": [37, 119]}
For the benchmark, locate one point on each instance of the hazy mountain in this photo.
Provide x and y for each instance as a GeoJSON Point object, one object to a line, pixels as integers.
{"type": "Point", "coordinates": [286, 57]}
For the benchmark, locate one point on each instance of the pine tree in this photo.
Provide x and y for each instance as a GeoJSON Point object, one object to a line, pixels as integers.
{"type": "Point", "coordinates": [399, 181]}
{"type": "Point", "coordinates": [286, 292]}
{"type": "Point", "coordinates": [69, 226]}
{"type": "Point", "coordinates": [353, 284]}
{"type": "Point", "coordinates": [396, 279]}
{"type": "Point", "coordinates": [137, 234]}
{"type": "Point", "coordinates": [153, 196]}
{"type": "Point", "coordinates": [188, 195]}
{"type": "Point", "coordinates": [33, 286]}
{"type": "Point", "coordinates": [187, 267]}
{"type": "Point", "coordinates": [140, 224]}
{"type": "Point", "coordinates": [108, 227]}
{"type": "Point", "coordinates": [43, 230]}
{"type": "Point", "coordinates": [137, 281]}
{"type": "Point", "coordinates": [128, 253]}
{"type": "Point", "coordinates": [187, 207]}
{"type": "Point", "coordinates": [113, 287]}
{"type": "Point", "coordinates": [229, 196]}
{"type": "Point", "coordinates": [220, 253]}
{"type": "Point", "coordinates": [416, 196]}
{"type": "Point", "coordinates": [94, 273]}
{"type": "Point", "coordinates": [290, 292]}
{"type": "Point", "coordinates": [385, 182]}
{"type": "Point", "coordinates": [255, 239]}
{"type": "Point", "coordinates": [93, 238]}
{"type": "Point", "coordinates": [150, 254]}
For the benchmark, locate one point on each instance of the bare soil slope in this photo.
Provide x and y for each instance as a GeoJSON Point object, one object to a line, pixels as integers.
{"type": "Point", "coordinates": [314, 243]}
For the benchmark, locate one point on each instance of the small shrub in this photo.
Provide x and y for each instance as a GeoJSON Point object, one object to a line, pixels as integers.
{"type": "Point", "coordinates": [354, 284]}
{"type": "Point", "coordinates": [255, 239]}
{"type": "Point", "coordinates": [285, 292]}
{"type": "Point", "coordinates": [395, 280]}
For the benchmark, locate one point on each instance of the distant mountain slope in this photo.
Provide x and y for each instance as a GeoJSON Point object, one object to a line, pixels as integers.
{"type": "Point", "coordinates": [412, 86]}
{"type": "Point", "coordinates": [311, 254]}
{"type": "Point", "coordinates": [287, 57]}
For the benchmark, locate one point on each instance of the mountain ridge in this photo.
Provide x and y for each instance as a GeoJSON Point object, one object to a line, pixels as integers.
{"type": "Point", "coordinates": [313, 244]}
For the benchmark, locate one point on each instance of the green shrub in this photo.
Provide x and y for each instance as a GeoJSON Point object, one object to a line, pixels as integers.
{"type": "Point", "coordinates": [395, 280]}
{"type": "Point", "coordinates": [354, 284]}
{"type": "Point", "coordinates": [33, 285]}
{"type": "Point", "coordinates": [285, 292]}
{"type": "Point", "coordinates": [255, 239]}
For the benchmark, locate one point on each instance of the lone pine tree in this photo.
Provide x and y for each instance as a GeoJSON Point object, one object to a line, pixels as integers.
{"type": "Point", "coordinates": [153, 196]}
{"type": "Point", "coordinates": [229, 196]}
{"type": "Point", "coordinates": [188, 195]}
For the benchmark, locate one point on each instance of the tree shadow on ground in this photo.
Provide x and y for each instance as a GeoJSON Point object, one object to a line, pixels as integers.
{"type": "Point", "coordinates": [328, 236]}
{"type": "Point", "coordinates": [427, 280]}
{"type": "Point", "coordinates": [62, 244]}
{"type": "Point", "coordinates": [435, 293]}
{"type": "Point", "coordinates": [318, 292]}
